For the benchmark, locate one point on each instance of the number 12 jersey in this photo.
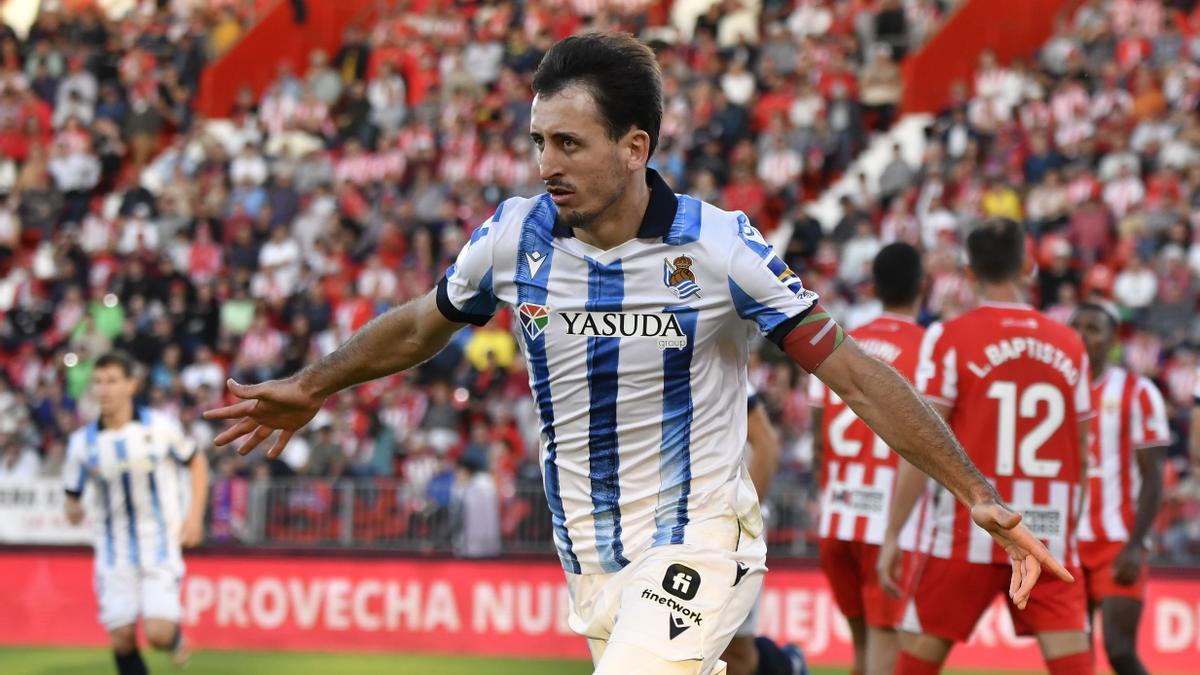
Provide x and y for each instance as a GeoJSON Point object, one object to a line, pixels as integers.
{"type": "Point", "coordinates": [1017, 386]}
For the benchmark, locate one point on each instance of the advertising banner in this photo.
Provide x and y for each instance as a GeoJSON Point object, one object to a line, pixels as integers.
{"type": "Point", "coordinates": [514, 609]}
{"type": "Point", "coordinates": [31, 512]}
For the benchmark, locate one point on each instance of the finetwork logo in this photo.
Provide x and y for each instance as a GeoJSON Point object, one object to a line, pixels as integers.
{"type": "Point", "coordinates": [681, 581]}
{"type": "Point", "coordinates": [676, 624]}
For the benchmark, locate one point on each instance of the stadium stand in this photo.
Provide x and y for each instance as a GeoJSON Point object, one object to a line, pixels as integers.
{"type": "Point", "coordinates": [248, 246]}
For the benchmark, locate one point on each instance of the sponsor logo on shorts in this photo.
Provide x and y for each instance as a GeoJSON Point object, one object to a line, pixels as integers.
{"type": "Point", "coordinates": [1043, 521]}
{"type": "Point", "coordinates": [669, 603]}
{"type": "Point", "coordinates": [676, 625]}
{"type": "Point", "coordinates": [742, 568]}
{"type": "Point", "coordinates": [681, 581]}
{"type": "Point", "coordinates": [859, 500]}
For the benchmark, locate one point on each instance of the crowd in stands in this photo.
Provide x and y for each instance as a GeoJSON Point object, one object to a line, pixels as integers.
{"type": "Point", "coordinates": [251, 245]}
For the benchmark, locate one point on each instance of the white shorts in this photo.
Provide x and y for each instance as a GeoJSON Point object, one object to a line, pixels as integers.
{"type": "Point", "coordinates": [127, 593]}
{"type": "Point", "coordinates": [749, 627]}
{"type": "Point", "coordinates": [678, 602]}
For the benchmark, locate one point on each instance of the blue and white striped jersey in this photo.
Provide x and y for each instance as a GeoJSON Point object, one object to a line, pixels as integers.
{"type": "Point", "coordinates": [129, 479]}
{"type": "Point", "coordinates": [637, 360]}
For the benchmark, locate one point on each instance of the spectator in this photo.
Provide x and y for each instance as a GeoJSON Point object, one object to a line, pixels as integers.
{"type": "Point", "coordinates": [476, 508]}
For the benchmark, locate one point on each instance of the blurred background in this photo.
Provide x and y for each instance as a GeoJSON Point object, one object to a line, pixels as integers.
{"type": "Point", "coordinates": [230, 188]}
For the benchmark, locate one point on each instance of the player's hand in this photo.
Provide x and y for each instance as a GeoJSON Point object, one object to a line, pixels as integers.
{"type": "Point", "coordinates": [274, 405]}
{"type": "Point", "coordinates": [1026, 552]}
{"type": "Point", "coordinates": [74, 511]}
{"type": "Point", "coordinates": [1128, 564]}
{"type": "Point", "coordinates": [191, 533]}
{"type": "Point", "coordinates": [888, 567]}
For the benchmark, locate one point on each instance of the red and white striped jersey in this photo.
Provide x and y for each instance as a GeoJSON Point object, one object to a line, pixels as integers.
{"type": "Point", "coordinates": [1130, 415]}
{"type": "Point", "coordinates": [1016, 383]}
{"type": "Point", "coordinates": [858, 470]}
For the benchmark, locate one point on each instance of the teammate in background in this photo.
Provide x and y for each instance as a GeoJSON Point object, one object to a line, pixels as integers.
{"type": "Point", "coordinates": [635, 309]}
{"type": "Point", "coordinates": [749, 653]}
{"type": "Point", "coordinates": [1129, 438]}
{"type": "Point", "coordinates": [1014, 387]}
{"type": "Point", "coordinates": [857, 471]}
{"type": "Point", "coordinates": [127, 463]}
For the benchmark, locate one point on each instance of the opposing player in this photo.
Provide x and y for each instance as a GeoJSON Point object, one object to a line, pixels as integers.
{"type": "Point", "coordinates": [749, 653]}
{"type": "Point", "coordinates": [1129, 437]}
{"type": "Point", "coordinates": [1014, 387]}
{"type": "Point", "coordinates": [857, 470]}
{"type": "Point", "coordinates": [635, 306]}
{"type": "Point", "coordinates": [126, 464]}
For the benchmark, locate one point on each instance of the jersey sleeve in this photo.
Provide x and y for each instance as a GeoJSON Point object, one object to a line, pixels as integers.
{"type": "Point", "coordinates": [74, 469]}
{"type": "Point", "coordinates": [764, 289]}
{"type": "Point", "coordinates": [180, 446]}
{"type": "Point", "coordinates": [937, 367]}
{"type": "Point", "coordinates": [1149, 417]}
{"type": "Point", "coordinates": [1083, 391]}
{"type": "Point", "coordinates": [465, 294]}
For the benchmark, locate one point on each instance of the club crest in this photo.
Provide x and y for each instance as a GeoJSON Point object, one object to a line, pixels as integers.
{"type": "Point", "coordinates": [678, 276]}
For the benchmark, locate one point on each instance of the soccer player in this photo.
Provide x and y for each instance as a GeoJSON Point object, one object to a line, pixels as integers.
{"type": "Point", "coordinates": [1129, 438]}
{"type": "Point", "coordinates": [634, 309]}
{"type": "Point", "coordinates": [1013, 385]}
{"type": "Point", "coordinates": [749, 653]}
{"type": "Point", "coordinates": [127, 464]}
{"type": "Point", "coordinates": [857, 470]}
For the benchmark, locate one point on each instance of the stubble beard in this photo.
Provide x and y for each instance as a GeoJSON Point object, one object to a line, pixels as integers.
{"type": "Point", "coordinates": [583, 220]}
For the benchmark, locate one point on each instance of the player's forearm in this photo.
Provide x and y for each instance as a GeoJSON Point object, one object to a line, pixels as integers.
{"type": "Point", "coordinates": [894, 410]}
{"type": "Point", "coordinates": [388, 344]}
{"type": "Point", "coordinates": [910, 485]}
{"type": "Point", "coordinates": [1149, 494]}
{"type": "Point", "coordinates": [199, 468]}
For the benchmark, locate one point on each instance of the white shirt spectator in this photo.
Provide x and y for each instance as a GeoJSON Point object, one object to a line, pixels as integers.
{"type": "Point", "coordinates": [74, 172]}
{"type": "Point", "coordinates": [248, 168]}
{"type": "Point", "coordinates": [199, 374]}
{"type": "Point", "coordinates": [388, 96]}
{"type": "Point", "coordinates": [138, 233]}
{"type": "Point", "coordinates": [1112, 163]}
{"type": "Point", "coordinates": [96, 234]}
{"type": "Point", "coordinates": [483, 60]}
{"type": "Point", "coordinates": [811, 17]}
{"type": "Point", "coordinates": [1123, 194]}
{"type": "Point", "coordinates": [738, 84]}
{"type": "Point", "coordinates": [805, 109]}
{"type": "Point", "coordinates": [1136, 289]}
{"type": "Point", "coordinates": [376, 281]}
{"type": "Point", "coordinates": [23, 464]}
{"type": "Point", "coordinates": [780, 167]}
{"type": "Point", "coordinates": [857, 255]}
{"type": "Point", "coordinates": [935, 223]}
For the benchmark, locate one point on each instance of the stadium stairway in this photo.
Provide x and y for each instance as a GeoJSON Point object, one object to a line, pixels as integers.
{"type": "Point", "coordinates": [274, 40]}
{"type": "Point", "coordinates": [1014, 28]}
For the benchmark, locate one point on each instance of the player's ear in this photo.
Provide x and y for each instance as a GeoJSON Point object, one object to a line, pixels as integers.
{"type": "Point", "coordinates": [637, 149]}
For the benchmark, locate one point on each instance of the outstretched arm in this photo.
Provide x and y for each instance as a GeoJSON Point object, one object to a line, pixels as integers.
{"type": "Point", "coordinates": [397, 340]}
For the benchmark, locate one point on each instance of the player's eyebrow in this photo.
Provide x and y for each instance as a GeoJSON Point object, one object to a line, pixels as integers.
{"type": "Point", "coordinates": [556, 136]}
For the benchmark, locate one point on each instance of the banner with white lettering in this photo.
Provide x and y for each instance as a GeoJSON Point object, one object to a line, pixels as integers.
{"type": "Point", "coordinates": [31, 512]}
{"type": "Point", "coordinates": [487, 608]}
